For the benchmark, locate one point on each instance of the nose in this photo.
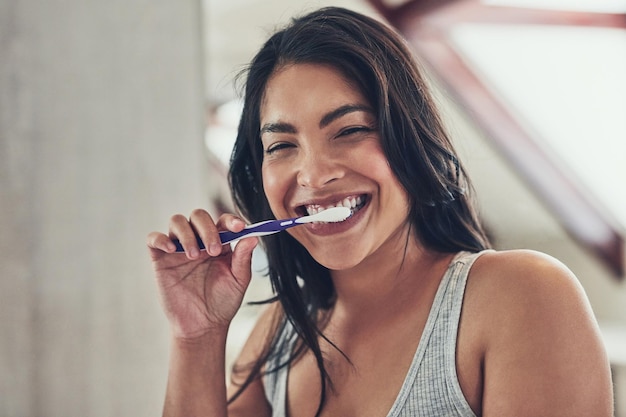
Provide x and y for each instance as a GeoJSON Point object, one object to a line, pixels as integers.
{"type": "Point", "coordinates": [316, 169]}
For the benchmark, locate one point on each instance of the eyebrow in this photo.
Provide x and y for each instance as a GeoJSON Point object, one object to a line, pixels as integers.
{"type": "Point", "coordinates": [282, 127]}
{"type": "Point", "coordinates": [342, 111]}
{"type": "Point", "coordinates": [278, 127]}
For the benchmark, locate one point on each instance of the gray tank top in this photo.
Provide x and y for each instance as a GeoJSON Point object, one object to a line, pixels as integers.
{"type": "Point", "coordinates": [431, 387]}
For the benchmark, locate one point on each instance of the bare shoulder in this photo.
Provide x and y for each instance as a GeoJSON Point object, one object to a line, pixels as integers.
{"type": "Point", "coordinates": [525, 288]}
{"type": "Point", "coordinates": [525, 273]}
{"type": "Point", "coordinates": [528, 293]}
{"type": "Point", "coordinates": [543, 354]}
{"type": "Point", "coordinates": [252, 400]}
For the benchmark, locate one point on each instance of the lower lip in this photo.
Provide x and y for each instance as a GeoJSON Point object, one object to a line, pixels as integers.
{"type": "Point", "coordinates": [324, 229]}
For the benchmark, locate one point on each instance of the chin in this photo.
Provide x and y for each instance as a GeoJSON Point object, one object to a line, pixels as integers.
{"type": "Point", "coordinates": [334, 262]}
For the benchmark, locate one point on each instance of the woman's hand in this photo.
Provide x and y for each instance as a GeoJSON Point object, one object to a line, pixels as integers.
{"type": "Point", "coordinates": [201, 290]}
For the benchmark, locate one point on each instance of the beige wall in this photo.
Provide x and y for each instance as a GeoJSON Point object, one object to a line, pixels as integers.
{"type": "Point", "coordinates": [101, 125]}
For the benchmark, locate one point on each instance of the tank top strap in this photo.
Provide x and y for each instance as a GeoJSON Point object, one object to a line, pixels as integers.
{"type": "Point", "coordinates": [431, 387]}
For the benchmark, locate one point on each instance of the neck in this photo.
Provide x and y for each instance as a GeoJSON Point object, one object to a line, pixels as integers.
{"type": "Point", "coordinates": [394, 279]}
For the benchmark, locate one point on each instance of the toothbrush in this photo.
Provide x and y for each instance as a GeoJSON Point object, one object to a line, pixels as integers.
{"type": "Point", "coordinates": [268, 227]}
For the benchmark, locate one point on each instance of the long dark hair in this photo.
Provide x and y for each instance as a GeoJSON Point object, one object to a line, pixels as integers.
{"type": "Point", "coordinates": [414, 141]}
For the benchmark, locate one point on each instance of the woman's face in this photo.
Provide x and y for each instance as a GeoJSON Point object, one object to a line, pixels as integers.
{"type": "Point", "coordinates": [322, 148]}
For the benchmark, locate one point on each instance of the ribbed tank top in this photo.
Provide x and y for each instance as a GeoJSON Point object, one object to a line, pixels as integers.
{"type": "Point", "coordinates": [431, 387]}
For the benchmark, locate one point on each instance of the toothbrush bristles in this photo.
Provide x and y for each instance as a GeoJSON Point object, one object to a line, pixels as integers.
{"type": "Point", "coordinates": [334, 214]}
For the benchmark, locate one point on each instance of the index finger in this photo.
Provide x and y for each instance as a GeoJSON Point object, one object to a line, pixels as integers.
{"type": "Point", "coordinates": [230, 222]}
{"type": "Point", "coordinates": [157, 240]}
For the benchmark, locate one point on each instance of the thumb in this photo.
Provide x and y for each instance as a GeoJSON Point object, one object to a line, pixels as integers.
{"type": "Point", "coordinates": [241, 261]}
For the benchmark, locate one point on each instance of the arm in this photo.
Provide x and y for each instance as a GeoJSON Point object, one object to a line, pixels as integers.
{"type": "Point", "coordinates": [196, 383]}
{"type": "Point", "coordinates": [543, 352]}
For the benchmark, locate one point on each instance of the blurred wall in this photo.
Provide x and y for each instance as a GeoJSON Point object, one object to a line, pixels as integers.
{"type": "Point", "coordinates": [101, 125]}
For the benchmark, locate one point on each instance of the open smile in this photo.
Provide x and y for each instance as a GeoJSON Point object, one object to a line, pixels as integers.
{"type": "Point", "coordinates": [354, 203]}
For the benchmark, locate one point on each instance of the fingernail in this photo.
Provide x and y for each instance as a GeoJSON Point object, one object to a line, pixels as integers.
{"type": "Point", "coordinates": [193, 252]}
{"type": "Point", "coordinates": [215, 249]}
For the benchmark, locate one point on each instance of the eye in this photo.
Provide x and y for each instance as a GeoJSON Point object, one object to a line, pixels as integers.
{"type": "Point", "coordinates": [275, 147]}
{"type": "Point", "coordinates": [354, 129]}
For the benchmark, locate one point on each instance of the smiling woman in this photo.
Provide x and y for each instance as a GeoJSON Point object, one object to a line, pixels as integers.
{"type": "Point", "coordinates": [401, 309]}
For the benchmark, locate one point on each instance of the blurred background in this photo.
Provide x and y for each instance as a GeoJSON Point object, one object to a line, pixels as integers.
{"type": "Point", "coordinates": [116, 115]}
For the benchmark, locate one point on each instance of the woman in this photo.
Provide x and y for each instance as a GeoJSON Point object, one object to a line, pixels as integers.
{"type": "Point", "coordinates": [402, 309]}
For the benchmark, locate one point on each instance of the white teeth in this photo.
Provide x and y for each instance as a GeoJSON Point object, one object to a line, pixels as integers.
{"type": "Point", "coordinates": [349, 202]}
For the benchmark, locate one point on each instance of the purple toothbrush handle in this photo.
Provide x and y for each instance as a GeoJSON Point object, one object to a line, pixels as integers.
{"type": "Point", "coordinates": [258, 229]}
{"type": "Point", "coordinates": [179, 246]}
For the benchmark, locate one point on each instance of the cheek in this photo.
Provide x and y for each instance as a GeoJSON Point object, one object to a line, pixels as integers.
{"type": "Point", "coordinates": [375, 165]}
{"type": "Point", "coordinates": [274, 185]}
{"type": "Point", "coordinates": [372, 162]}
